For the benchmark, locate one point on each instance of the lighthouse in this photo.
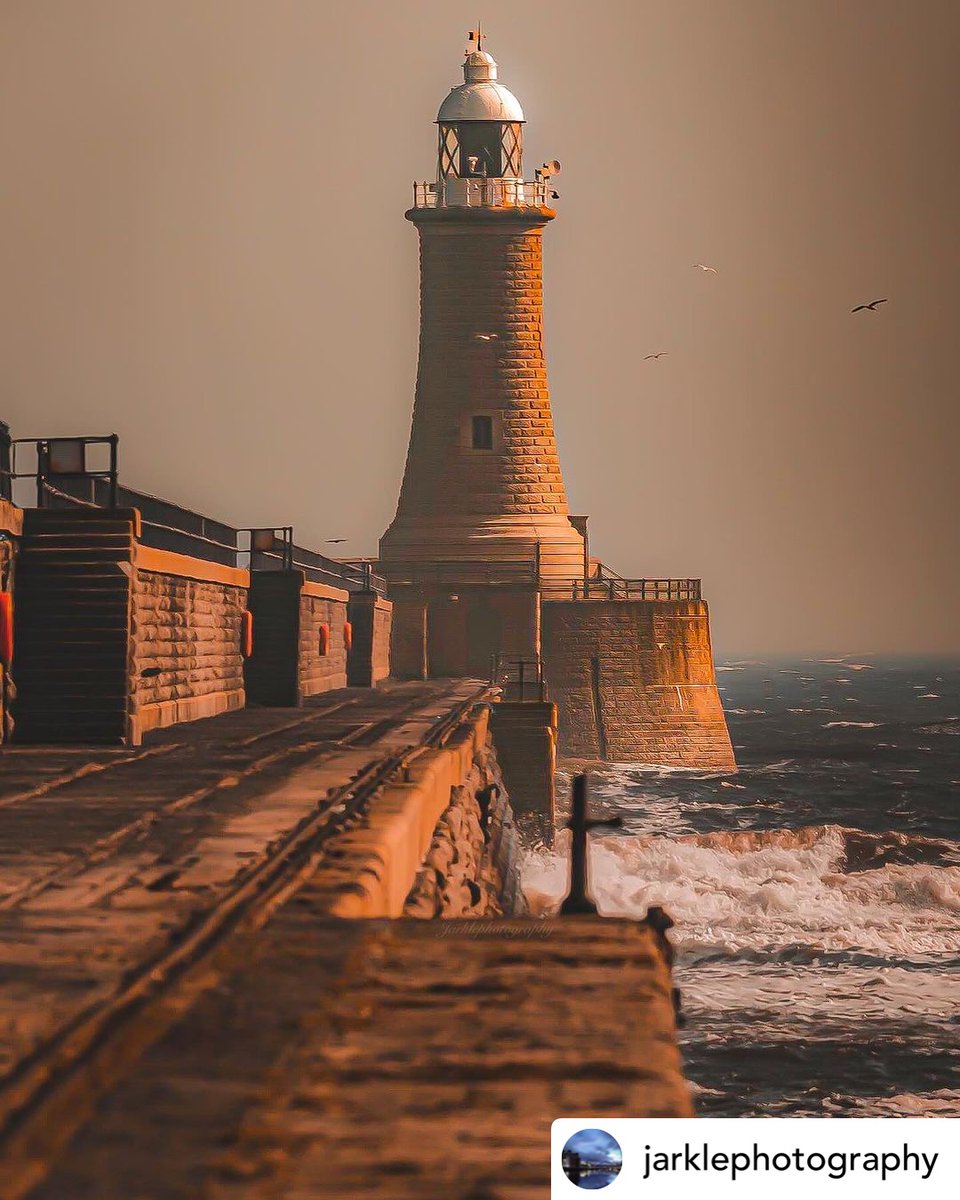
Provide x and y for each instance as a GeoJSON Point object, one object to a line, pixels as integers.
{"type": "Point", "coordinates": [482, 514]}
{"type": "Point", "coordinates": [484, 561]}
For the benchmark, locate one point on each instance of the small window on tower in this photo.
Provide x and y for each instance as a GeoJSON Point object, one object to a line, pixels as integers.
{"type": "Point", "coordinates": [483, 433]}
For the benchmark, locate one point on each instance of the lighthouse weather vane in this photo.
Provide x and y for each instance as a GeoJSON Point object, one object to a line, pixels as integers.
{"type": "Point", "coordinates": [476, 35]}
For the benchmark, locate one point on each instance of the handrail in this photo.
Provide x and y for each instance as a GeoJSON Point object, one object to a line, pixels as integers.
{"type": "Point", "coordinates": [465, 571]}
{"type": "Point", "coordinates": [520, 677]}
{"type": "Point", "coordinates": [168, 526]}
{"type": "Point", "coordinates": [59, 458]}
{"type": "Point", "coordinates": [482, 193]}
{"type": "Point", "coordinates": [617, 588]}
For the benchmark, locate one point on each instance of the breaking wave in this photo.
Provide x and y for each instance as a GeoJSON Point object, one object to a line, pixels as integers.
{"type": "Point", "coordinates": [803, 893]}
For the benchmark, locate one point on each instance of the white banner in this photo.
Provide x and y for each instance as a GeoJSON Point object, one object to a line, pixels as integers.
{"type": "Point", "coordinates": [753, 1158]}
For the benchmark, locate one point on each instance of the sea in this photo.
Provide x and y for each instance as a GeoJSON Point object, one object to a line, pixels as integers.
{"type": "Point", "coordinates": [815, 893]}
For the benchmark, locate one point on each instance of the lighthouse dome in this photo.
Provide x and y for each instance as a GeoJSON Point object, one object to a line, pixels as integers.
{"type": "Point", "coordinates": [480, 97]}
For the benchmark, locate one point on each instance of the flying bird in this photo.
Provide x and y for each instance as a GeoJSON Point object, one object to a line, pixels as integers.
{"type": "Point", "coordinates": [486, 337]}
{"type": "Point", "coordinates": [335, 541]}
{"type": "Point", "coordinates": [871, 307]}
{"type": "Point", "coordinates": [660, 355]}
{"type": "Point", "coordinates": [704, 267]}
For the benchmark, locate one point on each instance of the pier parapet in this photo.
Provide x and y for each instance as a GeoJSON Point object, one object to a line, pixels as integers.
{"type": "Point", "coordinates": [131, 613]}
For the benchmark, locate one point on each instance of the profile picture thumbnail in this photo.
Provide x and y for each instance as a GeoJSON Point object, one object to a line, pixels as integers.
{"type": "Point", "coordinates": [592, 1159]}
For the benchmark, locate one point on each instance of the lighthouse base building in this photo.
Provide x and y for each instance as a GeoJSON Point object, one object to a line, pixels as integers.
{"type": "Point", "coordinates": [487, 569]}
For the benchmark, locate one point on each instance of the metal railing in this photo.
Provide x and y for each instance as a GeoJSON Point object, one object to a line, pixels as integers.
{"type": "Point", "coordinates": [527, 572]}
{"type": "Point", "coordinates": [166, 526]}
{"type": "Point", "coordinates": [6, 462]}
{"type": "Point", "coordinates": [482, 193]}
{"type": "Point", "coordinates": [465, 571]}
{"type": "Point", "coordinates": [285, 553]}
{"type": "Point", "coordinates": [617, 588]}
{"type": "Point", "coordinates": [58, 463]}
{"type": "Point", "coordinates": [520, 678]}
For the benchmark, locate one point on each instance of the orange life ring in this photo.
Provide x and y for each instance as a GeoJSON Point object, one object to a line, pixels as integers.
{"type": "Point", "coordinates": [6, 628]}
{"type": "Point", "coordinates": [348, 635]}
{"type": "Point", "coordinates": [246, 634]}
{"type": "Point", "coordinates": [324, 639]}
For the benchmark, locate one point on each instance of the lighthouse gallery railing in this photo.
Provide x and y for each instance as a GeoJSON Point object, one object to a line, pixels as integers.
{"type": "Point", "coordinates": [482, 193]}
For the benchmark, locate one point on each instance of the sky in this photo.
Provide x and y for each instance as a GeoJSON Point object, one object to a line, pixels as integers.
{"type": "Point", "coordinates": [595, 1145]}
{"type": "Point", "coordinates": [202, 248]}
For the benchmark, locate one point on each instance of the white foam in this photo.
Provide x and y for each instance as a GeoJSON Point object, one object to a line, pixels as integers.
{"type": "Point", "coordinates": [766, 891]}
{"type": "Point", "coordinates": [944, 1102]}
{"type": "Point", "coordinates": [851, 725]}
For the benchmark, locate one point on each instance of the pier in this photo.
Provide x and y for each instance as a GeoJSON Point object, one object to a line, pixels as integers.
{"type": "Point", "coordinates": [180, 966]}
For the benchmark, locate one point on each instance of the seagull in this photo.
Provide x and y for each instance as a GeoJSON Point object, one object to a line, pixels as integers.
{"type": "Point", "coordinates": [872, 306]}
{"type": "Point", "coordinates": [703, 267]}
{"type": "Point", "coordinates": [660, 355]}
{"type": "Point", "coordinates": [486, 337]}
{"type": "Point", "coordinates": [335, 541]}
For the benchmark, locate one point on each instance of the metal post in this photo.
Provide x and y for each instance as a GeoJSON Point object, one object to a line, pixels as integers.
{"type": "Point", "coordinates": [41, 473]}
{"type": "Point", "coordinates": [114, 482]}
{"type": "Point", "coordinates": [578, 901]}
{"type": "Point", "coordinates": [6, 466]}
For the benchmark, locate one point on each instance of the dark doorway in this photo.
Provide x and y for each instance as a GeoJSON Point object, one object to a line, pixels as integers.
{"type": "Point", "coordinates": [484, 636]}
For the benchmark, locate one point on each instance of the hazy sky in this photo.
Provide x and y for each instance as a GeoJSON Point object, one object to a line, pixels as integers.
{"type": "Point", "coordinates": [202, 247]}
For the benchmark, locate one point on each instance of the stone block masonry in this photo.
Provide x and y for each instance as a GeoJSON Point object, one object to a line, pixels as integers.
{"type": "Point", "coordinates": [471, 867]}
{"type": "Point", "coordinates": [371, 618]}
{"type": "Point", "coordinates": [408, 648]}
{"type": "Point", "coordinates": [481, 359]}
{"type": "Point", "coordinates": [72, 608]}
{"type": "Point", "coordinates": [526, 740]}
{"type": "Point", "coordinates": [440, 841]}
{"type": "Point", "coordinates": [634, 682]}
{"type": "Point", "coordinates": [116, 638]}
{"type": "Point", "coordinates": [186, 636]}
{"type": "Point", "coordinates": [322, 648]}
{"type": "Point", "coordinates": [482, 275]}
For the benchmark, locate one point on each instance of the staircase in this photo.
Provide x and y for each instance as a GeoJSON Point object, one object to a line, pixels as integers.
{"type": "Point", "coordinates": [72, 626]}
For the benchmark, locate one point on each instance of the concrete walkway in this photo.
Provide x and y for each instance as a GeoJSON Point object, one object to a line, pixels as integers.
{"type": "Point", "coordinates": [398, 1060]}
{"type": "Point", "coordinates": [107, 857]}
{"type": "Point", "coordinates": [307, 1057]}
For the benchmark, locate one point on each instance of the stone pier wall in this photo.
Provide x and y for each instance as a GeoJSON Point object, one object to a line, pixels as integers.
{"type": "Point", "coordinates": [634, 682]}
{"type": "Point", "coordinates": [526, 738]}
{"type": "Point", "coordinates": [408, 637]}
{"type": "Point", "coordinates": [471, 867]}
{"type": "Point", "coordinates": [371, 618]}
{"type": "Point", "coordinates": [438, 842]}
{"type": "Point", "coordinates": [321, 605]}
{"type": "Point", "coordinates": [186, 659]}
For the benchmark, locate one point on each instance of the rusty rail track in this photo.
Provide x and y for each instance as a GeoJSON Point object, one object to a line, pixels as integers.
{"type": "Point", "coordinates": [48, 1095]}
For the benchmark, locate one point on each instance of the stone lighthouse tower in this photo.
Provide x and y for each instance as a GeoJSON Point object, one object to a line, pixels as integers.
{"type": "Point", "coordinates": [483, 558]}
{"type": "Point", "coordinates": [482, 515]}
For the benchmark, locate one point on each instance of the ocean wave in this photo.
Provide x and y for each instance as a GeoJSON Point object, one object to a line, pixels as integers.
{"type": "Point", "coordinates": [825, 886]}
{"type": "Point", "coordinates": [950, 726]}
{"type": "Point", "coordinates": [852, 725]}
{"type": "Point", "coordinates": [944, 1102]}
